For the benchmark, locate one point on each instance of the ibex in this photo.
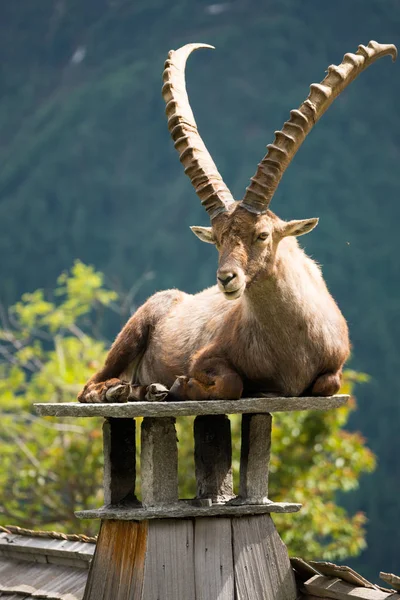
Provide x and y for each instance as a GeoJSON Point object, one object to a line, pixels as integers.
{"type": "Point", "coordinates": [270, 324]}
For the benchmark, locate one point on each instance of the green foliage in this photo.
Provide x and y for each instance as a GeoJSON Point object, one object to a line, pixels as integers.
{"type": "Point", "coordinates": [52, 467]}
{"type": "Point", "coordinates": [49, 469]}
{"type": "Point", "coordinates": [313, 459]}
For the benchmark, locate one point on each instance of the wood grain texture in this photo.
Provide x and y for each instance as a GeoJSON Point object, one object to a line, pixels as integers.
{"type": "Point", "coordinates": [391, 579]}
{"type": "Point", "coordinates": [262, 566]}
{"type": "Point", "coordinates": [189, 407]}
{"type": "Point", "coordinates": [213, 457]}
{"type": "Point", "coordinates": [255, 457]}
{"type": "Point", "coordinates": [169, 572]}
{"type": "Point", "coordinates": [28, 580]}
{"type": "Point", "coordinates": [159, 461]}
{"type": "Point", "coordinates": [213, 559]}
{"type": "Point", "coordinates": [117, 570]}
{"type": "Point", "coordinates": [119, 446]}
{"type": "Point", "coordinates": [181, 510]}
{"type": "Point", "coordinates": [332, 587]}
{"type": "Point", "coordinates": [341, 571]}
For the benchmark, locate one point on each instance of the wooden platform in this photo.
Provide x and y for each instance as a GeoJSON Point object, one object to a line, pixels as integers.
{"type": "Point", "coordinates": [189, 407]}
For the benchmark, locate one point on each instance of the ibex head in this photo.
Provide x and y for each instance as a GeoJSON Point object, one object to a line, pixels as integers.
{"type": "Point", "coordinates": [246, 232]}
{"type": "Point", "coordinates": [247, 245]}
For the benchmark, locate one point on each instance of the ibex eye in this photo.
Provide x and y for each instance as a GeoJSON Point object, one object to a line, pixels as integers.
{"type": "Point", "coordinates": [263, 235]}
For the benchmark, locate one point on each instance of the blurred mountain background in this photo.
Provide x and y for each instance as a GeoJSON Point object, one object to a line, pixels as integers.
{"type": "Point", "coordinates": [88, 169]}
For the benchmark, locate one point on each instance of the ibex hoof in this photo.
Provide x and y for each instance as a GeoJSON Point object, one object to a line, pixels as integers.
{"type": "Point", "coordinates": [118, 393]}
{"type": "Point", "coordinates": [179, 388]}
{"type": "Point", "coordinates": [156, 392]}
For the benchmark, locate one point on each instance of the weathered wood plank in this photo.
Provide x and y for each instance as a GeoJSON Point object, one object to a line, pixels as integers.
{"type": "Point", "coordinates": [169, 571]}
{"type": "Point", "coordinates": [262, 566]}
{"type": "Point", "coordinates": [45, 546]}
{"type": "Point", "coordinates": [303, 570]}
{"type": "Point", "coordinates": [117, 569]}
{"type": "Point", "coordinates": [341, 571]}
{"type": "Point", "coordinates": [181, 510]}
{"type": "Point", "coordinates": [332, 587]}
{"type": "Point", "coordinates": [119, 446]}
{"type": "Point", "coordinates": [189, 407]}
{"type": "Point", "coordinates": [159, 461]}
{"type": "Point", "coordinates": [391, 579]}
{"type": "Point", "coordinates": [254, 458]}
{"type": "Point", "coordinates": [213, 559]}
{"type": "Point", "coordinates": [213, 457]}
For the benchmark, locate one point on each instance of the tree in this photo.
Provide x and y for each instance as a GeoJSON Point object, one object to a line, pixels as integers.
{"type": "Point", "coordinates": [51, 468]}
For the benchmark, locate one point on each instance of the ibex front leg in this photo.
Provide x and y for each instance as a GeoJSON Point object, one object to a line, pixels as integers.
{"type": "Point", "coordinates": [210, 377]}
{"type": "Point", "coordinates": [112, 382]}
{"type": "Point", "coordinates": [109, 384]}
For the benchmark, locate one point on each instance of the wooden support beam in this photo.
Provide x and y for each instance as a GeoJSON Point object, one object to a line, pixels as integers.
{"type": "Point", "coordinates": [119, 445]}
{"type": "Point", "coordinates": [213, 559]}
{"type": "Point", "coordinates": [213, 457]}
{"type": "Point", "coordinates": [254, 458]}
{"type": "Point", "coordinates": [159, 461]}
{"type": "Point", "coordinates": [262, 566]}
{"type": "Point", "coordinates": [169, 572]}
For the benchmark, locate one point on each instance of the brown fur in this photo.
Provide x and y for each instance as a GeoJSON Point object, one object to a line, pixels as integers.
{"type": "Point", "coordinates": [270, 325]}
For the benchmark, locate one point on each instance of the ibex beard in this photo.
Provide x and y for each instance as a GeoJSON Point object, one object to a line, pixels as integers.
{"type": "Point", "coordinates": [270, 324]}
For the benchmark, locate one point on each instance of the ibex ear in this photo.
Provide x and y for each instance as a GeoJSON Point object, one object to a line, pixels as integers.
{"type": "Point", "coordinates": [205, 234]}
{"type": "Point", "coordinates": [299, 227]}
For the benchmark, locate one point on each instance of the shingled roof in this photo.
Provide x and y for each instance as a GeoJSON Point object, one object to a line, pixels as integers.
{"type": "Point", "coordinates": [326, 580]}
{"type": "Point", "coordinates": [38, 564]}
{"type": "Point", "coordinates": [54, 566]}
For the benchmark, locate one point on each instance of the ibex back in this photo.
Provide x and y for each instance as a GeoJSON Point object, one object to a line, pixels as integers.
{"type": "Point", "coordinates": [270, 325]}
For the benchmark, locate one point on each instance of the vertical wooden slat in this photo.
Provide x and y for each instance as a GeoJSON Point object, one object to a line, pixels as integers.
{"type": "Point", "coordinates": [255, 457]}
{"type": "Point", "coordinates": [159, 461]}
{"type": "Point", "coordinates": [213, 559]}
{"type": "Point", "coordinates": [213, 457]}
{"type": "Point", "coordinates": [119, 460]}
{"type": "Point", "coordinates": [117, 569]}
{"type": "Point", "coordinates": [169, 571]}
{"type": "Point", "coordinates": [261, 561]}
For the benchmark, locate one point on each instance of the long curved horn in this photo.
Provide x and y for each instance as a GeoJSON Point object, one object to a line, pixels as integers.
{"type": "Point", "coordinates": [199, 166]}
{"type": "Point", "coordinates": [289, 139]}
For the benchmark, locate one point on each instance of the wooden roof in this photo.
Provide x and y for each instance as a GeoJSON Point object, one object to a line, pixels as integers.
{"type": "Point", "coordinates": [37, 564]}
{"type": "Point", "coordinates": [327, 580]}
{"type": "Point", "coordinates": [54, 566]}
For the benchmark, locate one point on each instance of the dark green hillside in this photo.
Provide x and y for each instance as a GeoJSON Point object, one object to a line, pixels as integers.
{"type": "Point", "coordinates": [88, 169]}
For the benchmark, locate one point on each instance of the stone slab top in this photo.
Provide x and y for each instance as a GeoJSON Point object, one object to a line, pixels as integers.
{"type": "Point", "coordinates": [180, 510]}
{"type": "Point", "coordinates": [189, 407]}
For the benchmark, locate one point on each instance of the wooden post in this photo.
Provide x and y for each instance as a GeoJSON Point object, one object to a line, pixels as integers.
{"type": "Point", "coordinates": [213, 457]}
{"type": "Point", "coordinates": [254, 458]}
{"type": "Point", "coordinates": [159, 461]}
{"type": "Point", "coordinates": [119, 460]}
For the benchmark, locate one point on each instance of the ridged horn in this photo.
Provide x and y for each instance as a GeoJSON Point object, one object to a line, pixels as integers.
{"type": "Point", "coordinates": [199, 166]}
{"type": "Point", "coordinates": [289, 139]}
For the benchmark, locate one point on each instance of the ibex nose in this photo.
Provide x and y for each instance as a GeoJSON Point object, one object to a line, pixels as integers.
{"type": "Point", "coordinates": [224, 277]}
